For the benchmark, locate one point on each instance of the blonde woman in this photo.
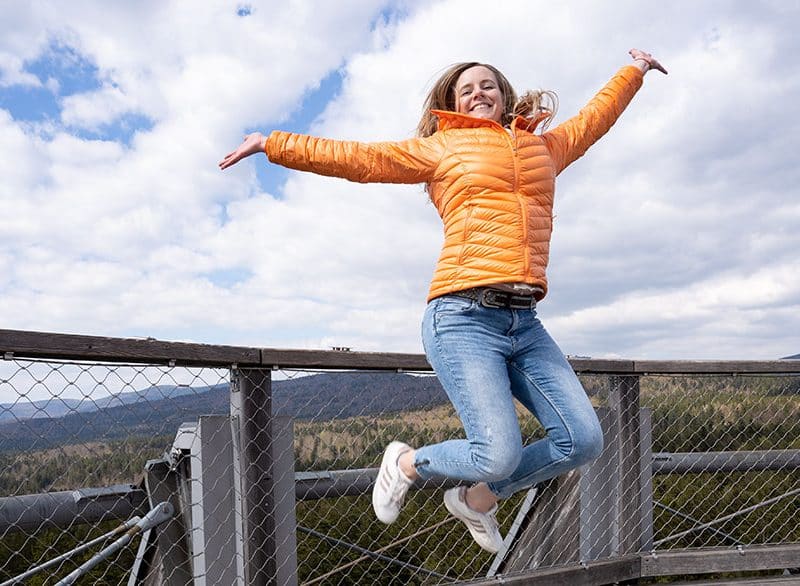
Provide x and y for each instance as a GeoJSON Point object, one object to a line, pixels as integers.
{"type": "Point", "coordinates": [489, 165]}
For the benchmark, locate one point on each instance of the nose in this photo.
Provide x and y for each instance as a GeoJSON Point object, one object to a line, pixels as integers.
{"type": "Point", "coordinates": [476, 95]}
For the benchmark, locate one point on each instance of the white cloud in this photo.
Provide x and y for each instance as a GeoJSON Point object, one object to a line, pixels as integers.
{"type": "Point", "coordinates": [20, 164]}
{"type": "Point", "coordinates": [22, 38]}
{"type": "Point", "coordinates": [735, 313]}
{"type": "Point", "coordinates": [12, 73]}
{"type": "Point", "coordinates": [91, 110]}
{"type": "Point", "coordinates": [675, 236]}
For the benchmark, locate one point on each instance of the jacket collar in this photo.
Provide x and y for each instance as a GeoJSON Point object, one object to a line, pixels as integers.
{"type": "Point", "coordinates": [448, 120]}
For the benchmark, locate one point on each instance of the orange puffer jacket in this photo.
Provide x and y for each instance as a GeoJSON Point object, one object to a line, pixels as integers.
{"type": "Point", "coordinates": [493, 188]}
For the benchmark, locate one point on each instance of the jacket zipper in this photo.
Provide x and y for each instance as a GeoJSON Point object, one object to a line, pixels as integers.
{"type": "Point", "coordinates": [512, 141]}
{"type": "Point", "coordinates": [464, 233]}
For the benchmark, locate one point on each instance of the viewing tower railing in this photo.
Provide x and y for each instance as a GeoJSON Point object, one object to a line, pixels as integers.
{"type": "Point", "coordinates": [267, 458]}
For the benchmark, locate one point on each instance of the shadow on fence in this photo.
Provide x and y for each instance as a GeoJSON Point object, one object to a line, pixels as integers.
{"type": "Point", "coordinates": [265, 459]}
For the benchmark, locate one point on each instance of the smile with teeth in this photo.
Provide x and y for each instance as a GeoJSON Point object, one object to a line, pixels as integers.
{"type": "Point", "coordinates": [481, 106]}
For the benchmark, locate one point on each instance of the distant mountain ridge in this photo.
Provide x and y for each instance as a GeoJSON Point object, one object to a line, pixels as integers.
{"type": "Point", "coordinates": [58, 407]}
{"type": "Point", "coordinates": [161, 410]}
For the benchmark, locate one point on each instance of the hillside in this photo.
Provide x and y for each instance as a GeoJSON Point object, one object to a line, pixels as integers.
{"type": "Point", "coordinates": [321, 396]}
{"type": "Point", "coordinates": [59, 406]}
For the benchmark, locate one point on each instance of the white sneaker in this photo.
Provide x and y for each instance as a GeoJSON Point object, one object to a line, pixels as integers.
{"type": "Point", "coordinates": [391, 485]}
{"type": "Point", "coordinates": [483, 526]}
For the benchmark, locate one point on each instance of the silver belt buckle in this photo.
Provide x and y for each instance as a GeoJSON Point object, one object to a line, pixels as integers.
{"type": "Point", "coordinates": [489, 297]}
{"type": "Point", "coordinates": [506, 300]}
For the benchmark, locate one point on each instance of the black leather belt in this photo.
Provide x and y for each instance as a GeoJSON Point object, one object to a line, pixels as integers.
{"type": "Point", "coordinates": [489, 297]}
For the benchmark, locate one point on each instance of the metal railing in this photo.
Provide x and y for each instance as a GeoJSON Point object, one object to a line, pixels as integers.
{"type": "Point", "coordinates": [268, 456]}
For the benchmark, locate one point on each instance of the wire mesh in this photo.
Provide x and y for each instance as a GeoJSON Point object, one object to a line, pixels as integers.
{"type": "Point", "coordinates": [67, 428]}
{"type": "Point", "coordinates": [347, 426]}
{"type": "Point", "coordinates": [631, 511]}
{"type": "Point", "coordinates": [732, 415]}
{"type": "Point", "coordinates": [166, 432]}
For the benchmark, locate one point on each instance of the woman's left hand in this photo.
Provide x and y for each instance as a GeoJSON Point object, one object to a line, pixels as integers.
{"type": "Point", "coordinates": [252, 144]}
{"type": "Point", "coordinates": [651, 61]}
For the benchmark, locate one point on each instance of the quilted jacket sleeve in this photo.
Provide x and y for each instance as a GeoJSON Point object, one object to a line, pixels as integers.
{"type": "Point", "coordinates": [571, 139]}
{"type": "Point", "coordinates": [411, 161]}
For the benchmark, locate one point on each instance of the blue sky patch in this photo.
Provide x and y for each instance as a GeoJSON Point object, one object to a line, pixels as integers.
{"type": "Point", "coordinates": [272, 177]}
{"type": "Point", "coordinates": [72, 72]}
{"type": "Point", "coordinates": [314, 102]}
{"type": "Point", "coordinates": [227, 278]}
{"type": "Point", "coordinates": [121, 129]}
{"type": "Point", "coordinates": [29, 104]}
{"type": "Point", "coordinates": [63, 72]}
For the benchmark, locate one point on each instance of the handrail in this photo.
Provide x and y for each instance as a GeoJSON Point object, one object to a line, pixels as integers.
{"type": "Point", "coordinates": [28, 344]}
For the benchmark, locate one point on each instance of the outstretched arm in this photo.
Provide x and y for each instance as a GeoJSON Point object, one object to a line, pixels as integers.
{"type": "Point", "coordinates": [409, 161]}
{"type": "Point", "coordinates": [572, 138]}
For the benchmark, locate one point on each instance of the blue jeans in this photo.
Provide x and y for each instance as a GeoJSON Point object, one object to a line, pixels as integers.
{"type": "Point", "coordinates": [484, 357]}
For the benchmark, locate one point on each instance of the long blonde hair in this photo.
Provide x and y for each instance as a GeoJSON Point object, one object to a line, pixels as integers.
{"type": "Point", "coordinates": [532, 104]}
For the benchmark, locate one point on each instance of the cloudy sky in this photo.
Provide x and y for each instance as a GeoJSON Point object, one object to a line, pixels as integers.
{"type": "Point", "coordinates": [676, 237]}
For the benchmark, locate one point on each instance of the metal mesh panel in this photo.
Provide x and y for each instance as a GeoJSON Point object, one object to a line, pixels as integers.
{"type": "Point", "coordinates": [277, 465]}
{"type": "Point", "coordinates": [637, 497]}
{"type": "Point", "coordinates": [74, 441]}
{"type": "Point", "coordinates": [738, 488]}
{"type": "Point", "coordinates": [339, 539]}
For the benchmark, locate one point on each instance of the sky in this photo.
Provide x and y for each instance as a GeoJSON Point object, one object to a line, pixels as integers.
{"type": "Point", "coordinates": [676, 236]}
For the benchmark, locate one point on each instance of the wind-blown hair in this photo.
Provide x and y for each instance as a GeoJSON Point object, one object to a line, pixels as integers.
{"type": "Point", "coordinates": [540, 104]}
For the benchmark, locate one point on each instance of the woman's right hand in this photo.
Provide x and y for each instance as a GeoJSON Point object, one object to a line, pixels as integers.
{"type": "Point", "coordinates": [252, 144]}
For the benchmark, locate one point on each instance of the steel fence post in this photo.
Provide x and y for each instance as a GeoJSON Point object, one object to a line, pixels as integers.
{"type": "Point", "coordinates": [623, 400]}
{"type": "Point", "coordinates": [251, 405]}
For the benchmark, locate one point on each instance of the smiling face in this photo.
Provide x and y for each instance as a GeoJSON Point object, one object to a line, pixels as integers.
{"type": "Point", "coordinates": [478, 94]}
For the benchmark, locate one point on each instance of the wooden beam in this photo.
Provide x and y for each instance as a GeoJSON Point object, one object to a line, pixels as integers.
{"type": "Point", "coordinates": [717, 366]}
{"type": "Point", "coordinates": [753, 581]}
{"type": "Point", "coordinates": [23, 344]}
{"type": "Point", "coordinates": [624, 400]}
{"type": "Point", "coordinates": [588, 574]}
{"type": "Point", "coordinates": [334, 359]}
{"type": "Point", "coordinates": [720, 559]}
{"type": "Point", "coordinates": [26, 344]}
{"type": "Point", "coordinates": [601, 365]}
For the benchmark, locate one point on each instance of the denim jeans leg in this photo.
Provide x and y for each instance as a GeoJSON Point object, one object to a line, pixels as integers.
{"type": "Point", "coordinates": [467, 346]}
{"type": "Point", "coordinates": [544, 382]}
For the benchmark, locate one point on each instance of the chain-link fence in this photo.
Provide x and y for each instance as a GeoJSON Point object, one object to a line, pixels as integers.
{"type": "Point", "coordinates": [269, 471]}
{"type": "Point", "coordinates": [75, 439]}
{"type": "Point", "coordinates": [742, 486]}
{"type": "Point", "coordinates": [715, 467]}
